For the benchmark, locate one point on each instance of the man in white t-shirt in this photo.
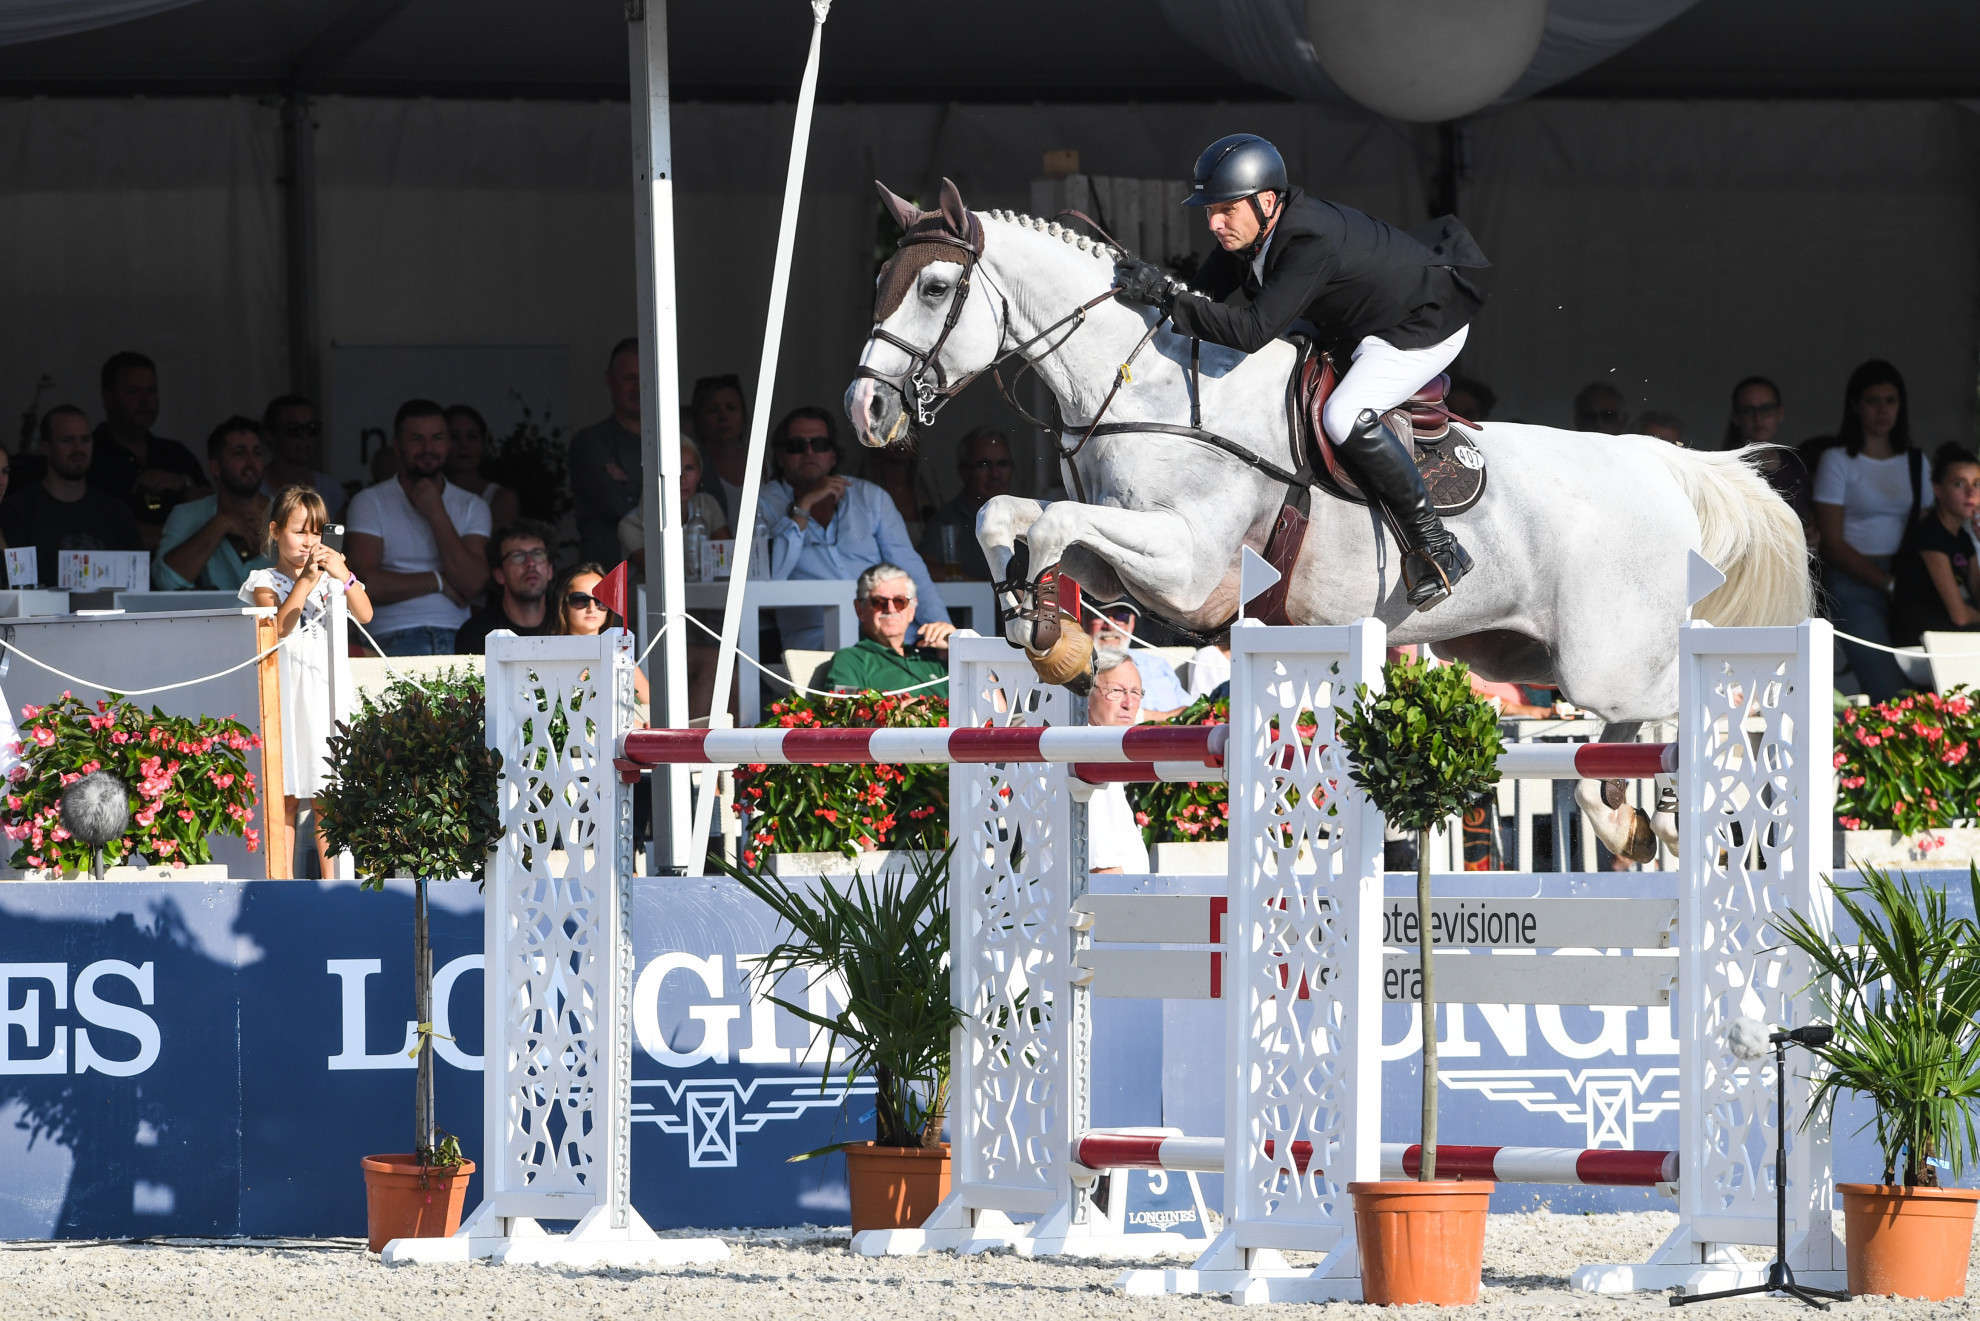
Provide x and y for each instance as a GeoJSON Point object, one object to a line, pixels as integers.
{"type": "Point", "coordinates": [417, 541]}
{"type": "Point", "coordinates": [1113, 840]}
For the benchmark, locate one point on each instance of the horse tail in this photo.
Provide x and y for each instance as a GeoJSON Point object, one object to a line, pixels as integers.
{"type": "Point", "coordinates": [1749, 534]}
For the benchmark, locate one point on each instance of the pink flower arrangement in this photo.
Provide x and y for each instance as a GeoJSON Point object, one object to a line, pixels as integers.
{"type": "Point", "coordinates": [1908, 765]}
{"type": "Point", "coordinates": [189, 779]}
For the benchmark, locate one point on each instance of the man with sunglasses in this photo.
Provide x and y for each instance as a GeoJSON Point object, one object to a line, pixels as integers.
{"type": "Point", "coordinates": [295, 444]}
{"type": "Point", "coordinates": [823, 526]}
{"type": "Point", "coordinates": [983, 457]}
{"type": "Point", "coordinates": [882, 660]}
{"type": "Point", "coordinates": [519, 565]}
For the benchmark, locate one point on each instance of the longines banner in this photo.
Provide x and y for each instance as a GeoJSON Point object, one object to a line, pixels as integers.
{"type": "Point", "coordinates": [214, 1058]}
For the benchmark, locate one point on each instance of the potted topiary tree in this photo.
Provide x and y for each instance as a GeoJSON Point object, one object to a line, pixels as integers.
{"type": "Point", "coordinates": [1903, 999]}
{"type": "Point", "coordinates": [412, 793]}
{"type": "Point", "coordinates": [1422, 749]}
{"type": "Point", "coordinates": [886, 939]}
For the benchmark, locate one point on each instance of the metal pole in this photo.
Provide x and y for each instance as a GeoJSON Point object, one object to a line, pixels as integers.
{"type": "Point", "coordinates": [674, 850]}
{"type": "Point", "coordinates": [766, 384]}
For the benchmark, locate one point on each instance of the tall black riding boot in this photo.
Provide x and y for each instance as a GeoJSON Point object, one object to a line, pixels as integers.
{"type": "Point", "coordinates": [1433, 561]}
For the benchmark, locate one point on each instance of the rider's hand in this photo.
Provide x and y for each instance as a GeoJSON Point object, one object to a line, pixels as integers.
{"type": "Point", "coordinates": [1145, 283]}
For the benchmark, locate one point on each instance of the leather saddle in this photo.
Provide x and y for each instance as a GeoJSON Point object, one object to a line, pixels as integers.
{"type": "Point", "coordinates": [1453, 467]}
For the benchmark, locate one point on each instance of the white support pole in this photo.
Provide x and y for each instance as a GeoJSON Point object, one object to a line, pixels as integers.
{"type": "Point", "coordinates": [557, 1008]}
{"type": "Point", "coordinates": [674, 847]}
{"type": "Point", "coordinates": [766, 384]}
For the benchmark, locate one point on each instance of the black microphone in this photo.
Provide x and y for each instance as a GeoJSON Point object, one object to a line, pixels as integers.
{"type": "Point", "coordinates": [1815, 1034]}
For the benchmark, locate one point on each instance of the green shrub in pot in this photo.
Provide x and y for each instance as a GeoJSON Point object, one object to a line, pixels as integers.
{"type": "Point", "coordinates": [1422, 749]}
{"type": "Point", "coordinates": [413, 793]}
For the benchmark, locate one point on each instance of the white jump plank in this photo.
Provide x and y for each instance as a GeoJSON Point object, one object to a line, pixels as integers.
{"type": "Point", "coordinates": [1148, 974]}
{"type": "Point", "coordinates": [1495, 922]}
{"type": "Point", "coordinates": [1544, 979]}
{"type": "Point", "coordinates": [1148, 919]}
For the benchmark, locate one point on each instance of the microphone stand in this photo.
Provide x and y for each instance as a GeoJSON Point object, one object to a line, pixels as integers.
{"type": "Point", "coordinates": [1780, 1277]}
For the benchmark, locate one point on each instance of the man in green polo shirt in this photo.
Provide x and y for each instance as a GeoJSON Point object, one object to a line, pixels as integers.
{"type": "Point", "coordinates": [881, 660]}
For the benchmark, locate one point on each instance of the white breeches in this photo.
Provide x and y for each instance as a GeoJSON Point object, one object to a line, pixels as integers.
{"type": "Point", "coordinates": [1382, 376]}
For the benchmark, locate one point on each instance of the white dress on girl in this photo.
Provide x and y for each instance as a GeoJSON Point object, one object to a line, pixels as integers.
{"type": "Point", "coordinates": [306, 678]}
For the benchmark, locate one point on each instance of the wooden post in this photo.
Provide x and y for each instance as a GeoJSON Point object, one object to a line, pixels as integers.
{"type": "Point", "coordinates": [278, 848]}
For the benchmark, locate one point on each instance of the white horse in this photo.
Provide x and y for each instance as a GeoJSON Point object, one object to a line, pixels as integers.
{"type": "Point", "coordinates": [1581, 541]}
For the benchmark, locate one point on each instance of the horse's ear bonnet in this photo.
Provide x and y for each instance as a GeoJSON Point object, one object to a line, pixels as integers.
{"type": "Point", "coordinates": [927, 236]}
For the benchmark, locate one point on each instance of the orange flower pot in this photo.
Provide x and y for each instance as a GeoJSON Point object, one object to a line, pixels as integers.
{"type": "Point", "coordinates": [895, 1187]}
{"type": "Point", "coordinates": [1421, 1242]}
{"type": "Point", "coordinates": [1912, 1242]}
{"type": "Point", "coordinates": [399, 1204]}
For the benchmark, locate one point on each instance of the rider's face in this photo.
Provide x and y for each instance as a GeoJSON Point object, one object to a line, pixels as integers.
{"type": "Point", "coordinates": [1234, 224]}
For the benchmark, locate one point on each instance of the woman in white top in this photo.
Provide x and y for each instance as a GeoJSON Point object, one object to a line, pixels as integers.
{"type": "Point", "coordinates": [1868, 489]}
{"type": "Point", "coordinates": [300, 585]}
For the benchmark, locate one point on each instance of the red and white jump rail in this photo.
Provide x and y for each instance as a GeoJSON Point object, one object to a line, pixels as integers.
{"type": "Point", "coordinates": [1138, 752]}
{"type": "Point", "coordinates": [1599, 1167]}
{"type": "Point", "coordinates": [1097, 754]}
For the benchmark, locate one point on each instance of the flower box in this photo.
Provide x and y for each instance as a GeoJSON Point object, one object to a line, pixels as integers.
{"type": "Point", "coordinates": [881, 862]}
{"type": "Point", "coordinates": [1947, 846]}
{"type": "Point", "coordinates": [204, 871]}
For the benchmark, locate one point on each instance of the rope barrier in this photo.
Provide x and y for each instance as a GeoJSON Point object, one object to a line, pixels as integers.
{"type": "Point", "coordinates": [1916, 653]}
{"type": "Point", "coordinates": [140, 692]}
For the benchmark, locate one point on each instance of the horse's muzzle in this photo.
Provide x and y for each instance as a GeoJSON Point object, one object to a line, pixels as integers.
{"type": "Point", "coordinates": [876, 411]}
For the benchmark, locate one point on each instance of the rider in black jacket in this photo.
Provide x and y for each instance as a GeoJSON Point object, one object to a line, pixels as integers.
{"type": "Point", "coordinates": [1390, 300]}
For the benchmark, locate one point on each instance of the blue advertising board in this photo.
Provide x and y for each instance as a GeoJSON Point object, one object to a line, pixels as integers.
{"type": "Point", "coordinates": [188, 1058]}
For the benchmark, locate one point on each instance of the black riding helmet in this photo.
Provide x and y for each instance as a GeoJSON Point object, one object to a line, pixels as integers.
{"type": "Point", "coordinates": [1241, 165]}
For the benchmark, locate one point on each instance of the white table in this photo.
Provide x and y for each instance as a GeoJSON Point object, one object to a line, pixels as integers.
{"type": "Point", "coordinates": [833, 595]}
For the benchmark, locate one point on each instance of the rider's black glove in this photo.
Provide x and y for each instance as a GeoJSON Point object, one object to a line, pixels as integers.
{"type": "Point", "coordinates": [1145, 283]}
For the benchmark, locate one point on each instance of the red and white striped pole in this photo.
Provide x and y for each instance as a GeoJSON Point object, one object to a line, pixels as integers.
{"type": "Point", "coordinates": [1600, 1167]}
{"type": "Point", "coordinates": [1139, 752]}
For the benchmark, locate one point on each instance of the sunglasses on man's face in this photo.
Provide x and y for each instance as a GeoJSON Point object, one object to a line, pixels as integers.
{"type": "Point", "coordinates": [888, 605]}
{"type": "Point", "coordinates": [795, 445]}
{"type": "Point", "coordinates": [583, 601]}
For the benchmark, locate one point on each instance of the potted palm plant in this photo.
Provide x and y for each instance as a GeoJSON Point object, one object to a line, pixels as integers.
{"type": "Point", "coordinates": [1422, 749]}
{"type": "Point", "coordinates": [886, 940]}
{"type": "Point", "coordinates": [412, 793]}
{"type": "Point", "coordinates": [1903, 999]}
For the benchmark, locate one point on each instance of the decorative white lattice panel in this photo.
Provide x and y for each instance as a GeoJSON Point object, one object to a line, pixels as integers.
{"type": "Point", "coordinates": [1011, 1124]}
{"type": "Point", "coordinates": [559, 949]}
{"type": "Point", "coordinates": [1304, 937]}
{"type": "Point", "coordinates": [1755, 774]}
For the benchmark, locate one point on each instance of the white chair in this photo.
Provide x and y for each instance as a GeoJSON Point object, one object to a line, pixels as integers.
{"type": "Point", "coordinates": [1951, 659]}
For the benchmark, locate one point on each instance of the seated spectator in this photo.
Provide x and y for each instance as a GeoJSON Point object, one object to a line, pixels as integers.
{"type": "Point", "coordinates": [295, 438]}
{"type": "Point", "coordinates": [1757, 414]}
{"type": "Point", "coordinates": [1936, 572]}
{"type": "Point", "coordinates": [418, 541]}
{"type": "Point", "coordinates": [1868, 491]}
{"type": "Point", "coordinates": [882, 659]}
{"type": "Point", "coordinates": [1599, 407]}
{"type": "Point", "coordinates": [720, 417]}
{"type": "Point", "coordinates": [1470, 399]}
{"type": "Point", "coordinates": [519, 569]}
{"type": "Point", "coordinates": [897, 470]}
{"type": "Point", "coordinates": [983, 457]}
{"type": "Point", "coordinates": [632, 528]}
{"type": "Point", "coordinates": [824, 526]}
{"type": "Point", "coordinates": [61, 511]}
{"type": "Point", "coordinates": [6, 475]}
{"type": "Point", "coordinates": [575, 612]}
{"type": "Point", "coordinates": [214, 543]}
{"type": "Point", "coordinates": [1113, 840]}
{"type": "Point", "coordinates": [467, 436]}
{"type": "Point", "coordinates": [1114, 626]}
{"type": "Point", "coordinates": [150, 474]}
{"type": "Point", "coordinates": [604, 459]}
{"type": "Point", "coordinates": [1667, 427]}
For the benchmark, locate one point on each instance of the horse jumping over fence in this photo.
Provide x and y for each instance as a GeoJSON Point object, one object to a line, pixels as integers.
{"type": "Point", "coordinates": [1585, 539]}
